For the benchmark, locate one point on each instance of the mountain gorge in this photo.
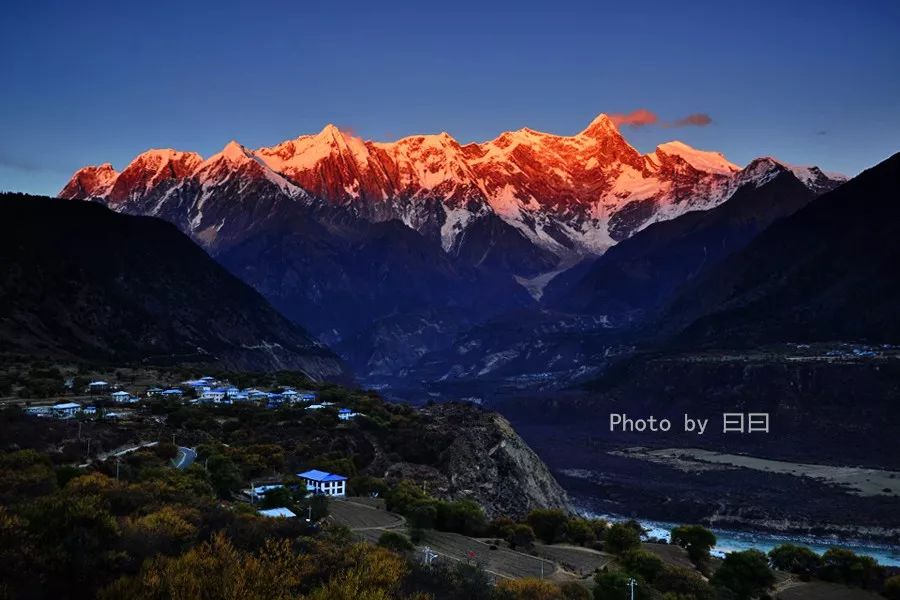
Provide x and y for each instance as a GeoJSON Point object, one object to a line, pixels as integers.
{"type": "Point", "coordinates": [421, 245]}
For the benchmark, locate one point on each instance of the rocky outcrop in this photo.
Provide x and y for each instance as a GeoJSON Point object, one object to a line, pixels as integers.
{"type": "Point", "coordinates": [486, 461]}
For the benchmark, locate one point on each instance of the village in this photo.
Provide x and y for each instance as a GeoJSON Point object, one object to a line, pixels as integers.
{"type": "Point", "coordinates": [111, 401]}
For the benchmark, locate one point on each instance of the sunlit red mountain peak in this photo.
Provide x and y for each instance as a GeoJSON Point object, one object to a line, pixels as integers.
{"type": "Point", "coordinates": [568, 195]}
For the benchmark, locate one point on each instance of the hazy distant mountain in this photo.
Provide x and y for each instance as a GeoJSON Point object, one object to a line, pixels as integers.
{"type": "Point", "coordinates": [80, 281]}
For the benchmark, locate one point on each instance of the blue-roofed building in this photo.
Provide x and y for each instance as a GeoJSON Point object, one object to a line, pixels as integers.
{"type": "Point", "coordinates": [258, 492]}
{"type": "Point", "coordinates": [345, 414]}
{"type": "Point", "coordinates": [320, 482]}
{"type": "Point", "coordinates": [280, 512]}
{"type": "Point", "coordinates": [121, 397]}
{"type": "Point", "coordinates": [215, 395]}
{"type": "Point", "coordinates": [307, 396]}
{"type": "Point", "coordinates": [66, 410]}
{"type": "Point", "coordinates": [172, 393]}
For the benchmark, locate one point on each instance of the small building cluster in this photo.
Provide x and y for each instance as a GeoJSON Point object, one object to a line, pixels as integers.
{"type": "Point", "coordinates": [64, 410]}
{"type": "Point", "coordinates": [204, 390]}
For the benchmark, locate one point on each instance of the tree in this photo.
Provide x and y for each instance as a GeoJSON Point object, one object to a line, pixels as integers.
{"type": "Point", "coordinates": [746, 574]}
{"type": "Point", "coordinates": [795, 559]}
{"type": "Point", "coordinates": [844, 566]}
{"type": "Point", "coordinates": [215, 569]}
{"type": "Point", "coordinates": [522, 536]}
{"type": "Point", "coordinates": [276, 498]}
{"type": "Point", "coordinates": [224, 475]}
{"type": "Point", "coordinates": [395, 541]}
{"type": "Point", "coordinates": [683, 583]}
{"type": "Point", "coordinates": [460, 516]}
{"type": "Point", "coordinates": [574, 591]}
{"type": "Point", "coordinates": [621, 538]}
{"type": "Point", "coordinates": [422, 516]}
{"type": "Point", "coordinates": [547, 523]}
{"type": "Point", "coordinates": [697, 540]}
{"type": "Point", "coordinates": [643, 563]}
{"type": "Point", "coordinates": [615, 586]}
{"type": "Point", "coordinates": [501, 527]}
{"type": "Point", "coordinates": [579, 531]}
{"type": "Point", "coordinates": [169, 530]}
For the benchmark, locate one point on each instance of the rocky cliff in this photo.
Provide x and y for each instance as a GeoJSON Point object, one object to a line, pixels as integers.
{"type": "Point", "coordinates": [485, 461]}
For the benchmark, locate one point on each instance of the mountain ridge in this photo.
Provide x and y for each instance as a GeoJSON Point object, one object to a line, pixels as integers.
{"type": "Point", "coordinates": [567, 195]}
{"type": "Point", "coordinates": [82, 281]}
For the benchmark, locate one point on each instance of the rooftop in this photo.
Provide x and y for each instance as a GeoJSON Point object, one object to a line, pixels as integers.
{"type": "Point", "coordinates": [316, 475]}
{"type": "Point", "coordinates": [277, 512]}
{"type": "Point", "coordinates": [66, 406]}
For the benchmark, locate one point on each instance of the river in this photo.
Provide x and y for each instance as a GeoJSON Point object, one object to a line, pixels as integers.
{"type": "Point", "coordinates": [733, 540]}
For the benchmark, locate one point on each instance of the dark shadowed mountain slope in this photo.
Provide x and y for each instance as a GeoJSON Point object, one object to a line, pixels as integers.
{"type": "Point", "coordinates": [642, 273]}
{"type": "Point", "coordinates": [829, 272]}
{"type": "Point", "coordinates": [78, 280]}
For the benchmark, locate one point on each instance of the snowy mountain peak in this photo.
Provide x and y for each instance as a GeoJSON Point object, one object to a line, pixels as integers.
{"type": "Point", "coordinates": [234, 152]}
{"type": "Point", "coordinates": [564, 196]}
{"type": "Point", "coordinates": [90, 182]}
{"type": "Point", "coordinates": [156, 157]}
{"type": "Point", "coordinates": [702, 160]}
{"type": "Point", "coordinates": [601, 125]}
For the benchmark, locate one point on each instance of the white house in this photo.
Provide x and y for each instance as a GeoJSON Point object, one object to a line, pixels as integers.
{"type": "Point", "coordinates": [121, 397]}
{"type": "Point", "coordinates": [95, 387]}
{"type": "Point", "coordinates": [38, 411]}
{"type": "Point", "coordinates": [345, 414]}
{"type": "Point", "coordinates": [216, 395]}
{"type": "Point", "coordinates": [66, 410]}
{"type": "Point", "coordinates": [307, 396]}
{"type": "Point", "coordinates": [320, 482]}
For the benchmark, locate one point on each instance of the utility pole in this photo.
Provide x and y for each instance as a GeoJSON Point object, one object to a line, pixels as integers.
{"type": "Point", "coordinates": [631, 584]}
{"type": "Point", "coordinates": [309, 514]}
{"type": "Point", "coordinates": [118, 462]}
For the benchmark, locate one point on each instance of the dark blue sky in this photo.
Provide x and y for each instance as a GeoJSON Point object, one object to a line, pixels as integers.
{"type": "Point", "coordinates": [89, 82]}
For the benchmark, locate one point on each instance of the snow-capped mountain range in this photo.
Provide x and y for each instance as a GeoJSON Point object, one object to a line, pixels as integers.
{"type": "Point", "coordinates": [567, 196]}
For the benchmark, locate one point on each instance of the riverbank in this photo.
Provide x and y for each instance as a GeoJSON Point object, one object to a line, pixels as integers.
{"type": "Point", "coordinates": [728, 540]}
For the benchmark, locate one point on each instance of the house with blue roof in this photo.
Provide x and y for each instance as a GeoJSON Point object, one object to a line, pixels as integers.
{"type": "Point", "coordinates": [345, 414]}
{"type": "Point", "coordinates": [282, 512]}
{"type": "Point", "coordinates": [320, 482]}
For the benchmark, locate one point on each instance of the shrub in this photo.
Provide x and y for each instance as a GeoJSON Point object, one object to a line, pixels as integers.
{"type": "Point", "coordinates": [621, 538]}
{"type": "Point", "coordinates": [795, 559]}
{"type": "Point", "coordinates": [746, 574]}
{"type": "Point", "coordinates": [643, 563]}
{"type": "Point", "coordinates": [522, 536]}
{"type": "Point", "coordinates": [395, 541]}
{"type": "Point", "coordinates": [547, 523]}
{"type": "Point", "coordinates": [844, 566]}
{"type": "Point", "coordinates": [697, 540]}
